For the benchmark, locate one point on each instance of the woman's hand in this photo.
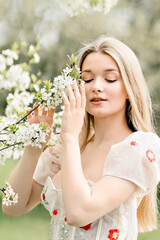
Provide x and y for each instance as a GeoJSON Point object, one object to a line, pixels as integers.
{"type": "Point", "coordinates": [46, 117]}
{"type": "Point", "coordinates": [74, 112]}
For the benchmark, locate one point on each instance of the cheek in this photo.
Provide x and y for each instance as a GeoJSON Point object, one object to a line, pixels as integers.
{"type": "Point", "coordinates": [119, 92]}
{"type": "Point", "coordinates": [86, 91]}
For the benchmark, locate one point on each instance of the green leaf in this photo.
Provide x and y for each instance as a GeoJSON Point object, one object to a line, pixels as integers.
{"type": "Point", "coordinates": [39, 95]}
{"type": "Point", "coordinates": [34, 77]}
{"type": "Point", "coordinates": [32, 61]}
{"type": "Point", "coordinates": [15, 46]}
{"type": "Point", "coordinates": [43, 125]}
{"type": "Point", "coordinates": [73, 59]}
{"type": "Point", "coordinates": [25, 67]}
{"type": "Point", "coordinates": [48, 85]}
{"type": "Point", "coordinates": [93, 3]}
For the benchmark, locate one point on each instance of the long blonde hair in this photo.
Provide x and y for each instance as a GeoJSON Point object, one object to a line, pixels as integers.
{"type": "Point", "coordinates": [139, 113]}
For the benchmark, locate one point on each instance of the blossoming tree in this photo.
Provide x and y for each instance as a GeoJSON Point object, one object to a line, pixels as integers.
{"type": "Point", "coordinates": [25, 87]}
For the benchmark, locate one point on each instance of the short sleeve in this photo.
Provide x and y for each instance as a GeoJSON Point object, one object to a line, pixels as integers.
{"type": "Point", "coordinates": [48, 164]}
{"type": "Point", "coordinates": [136, 159]}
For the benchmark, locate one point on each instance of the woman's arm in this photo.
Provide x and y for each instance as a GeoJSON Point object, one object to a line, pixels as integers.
{"type": "Point", "coordinates": [21, 178]}
{"type": "Point", "coordinates": [84, 204]}
{"type": "Point", "coordinates": [21, 181]}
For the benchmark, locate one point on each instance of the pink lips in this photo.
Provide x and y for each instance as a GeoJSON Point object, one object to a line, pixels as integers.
{"type": "Point", "coordinates": [97, 100]}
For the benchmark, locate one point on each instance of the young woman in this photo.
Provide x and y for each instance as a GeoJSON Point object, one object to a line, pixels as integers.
{"type": "Point", "coordinates": [100, 183]}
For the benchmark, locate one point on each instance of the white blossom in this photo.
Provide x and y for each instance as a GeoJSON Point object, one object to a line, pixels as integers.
{"type": "Point", "coordinates": [4, 155]}
{"type": "Point", "coordinates": [53, 98]}
{"type": "Point", "coordinates": [17, 78]}
{"type": "Point", "coordinates": [2, 63]}
{"type": "Point", "coordinates": [36, 57]}
{"type": "Point", "coordinates": [10, 56]}
{"type": "Point", "coordinates": [17, 102]}
{"type": "Point", "coordinates": [54, 139]}
{"type": "Point", "coordinates": [10, 53]}
{"type": "Point", "coordinates": [10, 197]}
{"type": "Point", "coordinates": [79, 7]}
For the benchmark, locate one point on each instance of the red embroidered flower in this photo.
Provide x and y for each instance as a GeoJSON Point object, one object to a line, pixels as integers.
{"type": "Point", "coordinates": [150, 155]}
{"type": "Point", "coordinates": [65, 219]}
{"type": "Point", "coordinates": [43, 196]}
{"type": "Point", "coordinates": [55, 212]}
{"type": "Point", "coordinates": [87, 227]}
{"type": "Point", "coordinates": [113, 234]}
{"type": "Point", "coordinates": [133, 143]}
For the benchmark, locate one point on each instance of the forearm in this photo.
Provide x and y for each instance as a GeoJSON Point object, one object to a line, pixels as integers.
{"type": "Point", "coordinates": [76, 191]}
{"type": "Point", "coordinates": [21, 180]}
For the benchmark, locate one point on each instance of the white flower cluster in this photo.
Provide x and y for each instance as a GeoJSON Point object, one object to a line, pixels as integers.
{"type": "Point", "coordinates": [15, 78]}
{"type": "Point", "coordinates": [78, 7]}
{"type": "Point", "coordinates": [7, 58]}
{"type": "Point", "coordinates": [17, 102]}
{"type": "Point", "coordinates": [5, 154]}
{"type": "Point", "coordinates": [10, 197]}
{"type": "Point", "coordinates": [14, 133]}
{"type": "Point", "coordinates": [51, 95]}
{"type": "Point", "coordinates": [36, 57]}
{"type": "Point", "coordinates": [12, 75]}
{"type": "Point", "coordinates": [27, 134]}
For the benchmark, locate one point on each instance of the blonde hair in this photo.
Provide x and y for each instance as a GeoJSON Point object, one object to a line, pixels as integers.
{"type": "Point", "coordinates": [139, 113]}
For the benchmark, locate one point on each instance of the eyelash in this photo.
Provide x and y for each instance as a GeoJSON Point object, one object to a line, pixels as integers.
{"type": "Point", "coordinates": [108, 80]}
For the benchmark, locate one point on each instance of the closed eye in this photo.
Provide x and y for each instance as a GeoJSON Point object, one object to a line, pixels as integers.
{"type": "Point", "coordinates": [111, 81]}
{"type": "Point", "coordinates": [89, 80]}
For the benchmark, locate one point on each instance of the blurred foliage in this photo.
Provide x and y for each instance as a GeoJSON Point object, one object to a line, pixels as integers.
{"type": "Point", "coordinates": [136, 23]}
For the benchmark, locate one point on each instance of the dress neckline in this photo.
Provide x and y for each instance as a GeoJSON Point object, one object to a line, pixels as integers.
{"type": "Point", "coordinates": [113, 146]}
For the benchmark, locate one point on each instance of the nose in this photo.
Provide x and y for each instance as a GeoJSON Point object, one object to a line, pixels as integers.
{"type": "Point", "coordinates": [97, 85]}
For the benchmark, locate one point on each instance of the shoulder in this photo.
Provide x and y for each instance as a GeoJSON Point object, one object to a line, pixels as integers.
{"type": "Point", "coordinates": [137, 158]}
{"type": "Point", "coordinates": [139, 142]}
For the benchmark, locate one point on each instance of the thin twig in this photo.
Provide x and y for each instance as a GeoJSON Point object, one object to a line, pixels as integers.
{"type": "Point", "coordinates": [21, 118]}
{"type": "Point", "coordinates": [2, 190]}
{"type": "Point", "coordinates": [10, 146]}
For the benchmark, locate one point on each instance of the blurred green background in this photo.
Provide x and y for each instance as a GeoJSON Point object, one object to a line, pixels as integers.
{"type": "Point", "coordinates": [136, 23]}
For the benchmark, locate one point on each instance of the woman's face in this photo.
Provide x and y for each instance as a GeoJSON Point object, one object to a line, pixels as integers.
{"type": "Point", "coordinates": [105, 92]}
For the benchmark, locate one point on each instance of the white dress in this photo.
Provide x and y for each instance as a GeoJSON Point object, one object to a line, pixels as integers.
{"type": "Point", "coordinates": [137, 159]}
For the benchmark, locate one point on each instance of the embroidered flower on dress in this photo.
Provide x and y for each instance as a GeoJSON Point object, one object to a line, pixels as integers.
{"type": "Point", "coordinates": [55, 212]}
{"type": "Point", "coordinates": [43, 196]}
{"type": "Point", "coordinates": [133, 143]}
{"type": "Point", "coordinates": [87, 227]}
{"type": "Point", "coordinates": [150, 155]}
{"type": "Point", "coordinates": [113, 234]}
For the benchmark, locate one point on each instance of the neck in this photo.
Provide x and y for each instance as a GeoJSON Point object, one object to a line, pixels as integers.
{"type": "Point", "coordinates": [111, 129]}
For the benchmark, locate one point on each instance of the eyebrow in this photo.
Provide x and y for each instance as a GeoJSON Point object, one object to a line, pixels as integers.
{"type": "Point", "coordinates": [106, 70]}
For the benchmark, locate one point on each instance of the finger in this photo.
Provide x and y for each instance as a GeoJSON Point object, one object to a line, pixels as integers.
{"type": "Point", "coordinates": [66, 101]}
{"type": "Point", "coordinates": [44, 112]}
{"type": "Point", "coordinates": [28, 111]}
{"type": "Point", "coordinates": [77, 95]}
{"type": "Point", "coordinates": [51, 112]}
{"type": "Point", "coordinates": [71, 97]}
{"type": "Point", "coordinates": [83, 96]}
{"type": "Point", "coordinates": [36, 110]}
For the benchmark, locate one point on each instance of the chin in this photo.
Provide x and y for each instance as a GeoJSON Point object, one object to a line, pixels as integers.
{"type": "Point", "coordinates": [99, 114]}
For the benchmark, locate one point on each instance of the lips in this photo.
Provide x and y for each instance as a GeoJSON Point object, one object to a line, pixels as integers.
{"type": "Point", "coordinates": [98, 99]}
